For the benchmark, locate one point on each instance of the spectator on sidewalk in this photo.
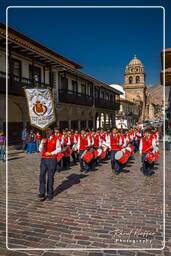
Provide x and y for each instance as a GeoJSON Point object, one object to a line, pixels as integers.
{"type": "Point", "coordinates": [2, 146]}
{"type": "Point", "coordinates": [38, 140]}
{"type": "Point", "coordinates": [31, 142]}
{"type": "Point", "coordinates": [23, 137]}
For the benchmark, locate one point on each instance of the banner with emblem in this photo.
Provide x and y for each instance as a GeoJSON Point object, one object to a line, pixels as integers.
{"type": "Point", "coordinates": [41, 107]}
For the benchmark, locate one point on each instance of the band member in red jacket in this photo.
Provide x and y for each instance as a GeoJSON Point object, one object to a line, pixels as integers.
{"type": "Point", "coordinates": [115, 145]}
{"type": "Point", "coordinates": [146, 146]}
{"type": "Point", "coordinates": [57, 133]}
{"type": "Point", "coordinates": [49, 147]}
{"type": "Point", "coordinates": [66, 143]}
{"type": "Point", "coordinates": [74, 146]}
{"type": "Point", "coordinates": [83, 145]}
{"type": "Point", "coordinates": [138, 136]}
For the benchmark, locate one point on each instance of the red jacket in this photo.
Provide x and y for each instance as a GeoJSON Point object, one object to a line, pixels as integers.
{"type": "Point", "coordinates": [83, 142]}
{"type": "Point", "coordinates": [65, 141]}
{"type": "Point", "coordinates": [146, 145]}
{"type": "Point", "coordinates": [50, 146]}
{"type": "Point", "coordinates": [59, 136]}
{"type": "Point", "coordinates": [72, 138]}
{"type": "Point", "coordinates": [97, 141]}
{"type": "Point", "coordinates": [115, 142]}
{"type": "Point", "coordinates": [38, 137]}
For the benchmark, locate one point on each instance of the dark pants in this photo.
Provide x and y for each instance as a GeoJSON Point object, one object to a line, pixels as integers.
{"type": "Point", "coordinates": [74, 156]}
{"type": "Point", "coordinates": [147, 167]}
{"type": "Point", "coordinates": [66, 162]}
{"type": "Point", "coordinates": [84, 166]}
{"type": "Point", "coordinates": [116, 166]}
{"type": "Point", "coordinates": [24, 144]}
{"type": "Point", "coordinates": [108, 154]}
{"type": "Point", "coordinates": [136, 144]}
{"type": "Point", "coordinates": [47, 165]}
{"type": "Point", "coordinates": [38, 144]}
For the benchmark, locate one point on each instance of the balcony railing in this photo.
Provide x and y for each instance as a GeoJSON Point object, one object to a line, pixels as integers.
{"type": "Point", "coordinates": [16, 84]}
{"type": "Point", "coordinates": [101, 103]}
{"type": "Point", "coordinates": [72, 97]}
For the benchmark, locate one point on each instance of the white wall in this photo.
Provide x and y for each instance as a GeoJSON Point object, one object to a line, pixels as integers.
{"type": "Point", "coordinates": [24, 66]}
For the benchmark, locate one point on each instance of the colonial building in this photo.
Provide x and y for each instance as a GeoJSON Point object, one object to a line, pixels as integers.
{"type": "Point", "coordinates": [80, 100]}
{"type": "Point", "coordinates": [129, 111]}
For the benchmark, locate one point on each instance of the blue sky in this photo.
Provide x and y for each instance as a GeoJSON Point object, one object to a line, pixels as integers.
{"type": "Point", "coordinates": [101, 40]}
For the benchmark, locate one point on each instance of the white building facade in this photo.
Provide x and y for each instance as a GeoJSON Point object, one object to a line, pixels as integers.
{"type": "Point", "coordinates": [129, 110]}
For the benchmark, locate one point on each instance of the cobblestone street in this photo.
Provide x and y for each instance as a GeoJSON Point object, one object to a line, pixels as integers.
{"type": "Point", "coordinates": [94, 210]}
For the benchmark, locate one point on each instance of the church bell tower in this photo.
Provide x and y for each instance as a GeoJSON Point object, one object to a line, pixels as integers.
{"type": "Point", "coordinates": [134, 84]}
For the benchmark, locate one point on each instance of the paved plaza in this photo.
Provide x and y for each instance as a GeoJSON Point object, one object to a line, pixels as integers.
{"type": "Point", "coordinates": [94, 210]}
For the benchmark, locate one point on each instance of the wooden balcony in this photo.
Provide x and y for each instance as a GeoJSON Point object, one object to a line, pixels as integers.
{"type": "Point", "coordinates": [68, 96]}
{"type": "Point", "coordinates": [101, 103]}
{"type": "Point", "coordinates": [16, 84]}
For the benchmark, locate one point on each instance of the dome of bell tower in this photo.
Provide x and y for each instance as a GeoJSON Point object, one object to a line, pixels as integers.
{"type": "Point", "coordinates": [135, 61]}
{"type": "Point", "coordinates": [134, 72]}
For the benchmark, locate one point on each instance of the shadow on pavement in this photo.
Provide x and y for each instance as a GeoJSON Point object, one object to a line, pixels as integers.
{"type": "Point", "coordinates": [14, 158]}
{"type": "Point", "coordinates": [125, 171]}
{"type": "Point", "coordinates": [71, 180]}
{"type": "Point", "coordinates": [16, 153]}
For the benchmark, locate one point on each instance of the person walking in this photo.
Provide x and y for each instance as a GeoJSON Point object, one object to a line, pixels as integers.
{"type": "Point", "coordinates": [83, 146]}
{"type": "Point", "coordinates": [31, 142]}
{"type": "Point", "coordinates": [115, 146]}
{"type": "Point", "coordinates": [2, 146]}
{"type": "Point", "coordinates": [38, 140]}
{"type": "Point", "coordinates": [23, 138]}
{"type": "Point", "coordinates": [146, 146]}
{"type": "Point", "coordinates": [49, 147]}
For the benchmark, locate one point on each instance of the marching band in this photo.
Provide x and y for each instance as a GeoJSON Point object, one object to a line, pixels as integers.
{"type": "Point", "coordinates": [90, 147]}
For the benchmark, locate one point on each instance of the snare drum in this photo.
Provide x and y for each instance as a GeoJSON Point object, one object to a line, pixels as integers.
{"type": "Point", "coordinates": [119, 155]}
{"type": "Point", "coordinates": [88, 157]}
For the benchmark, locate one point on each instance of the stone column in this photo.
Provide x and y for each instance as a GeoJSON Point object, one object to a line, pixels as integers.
{"type": "Point", "coordinates": [69, 124]}
{"type": "Point", "coordinates": [87, 124]}
{"type": "Point", "coordinates": [58, 118]}
{"type": "Point", "coordinates": [79, 124]}
{"type": "Point", "coordinates": [113, 120]}
{"type": "Point", "coordinates": [94, 120]}
{"type": "Point", "coordinates": [79, 118]}
{"type": "Point", "coordinates": [104, 120]}
{"type": "Point", "coordinates": [56, 99]}
{"type": "Point", "coordinates": [69, 117]}
{"type": "Point", "coordinates": [99, 120]}
{"type": "Point", "coordinates": [2, 113]}
{"type": "Point", "coordinates": [25, 114]}
{"type": "Point", "coordinates": [57, 87]}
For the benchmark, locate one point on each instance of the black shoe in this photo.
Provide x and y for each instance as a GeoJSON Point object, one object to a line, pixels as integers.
{"type": "Point", "coordinates": [41, 195]}
{"type": "Point", "coordinates": [141, 169]}
{"type": "Point", "coordinates": [59, 169]}
{"type": "Point", "coordinates": [81, 170]}
{"type": "Point", "coordinates": [116, 173]}
{"type": "Point", "coordinates": [50, 198]}
{"type": "Point", "coordinates": [151, 173]}
{"type": "Point", "coordinates": [42, 198]}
